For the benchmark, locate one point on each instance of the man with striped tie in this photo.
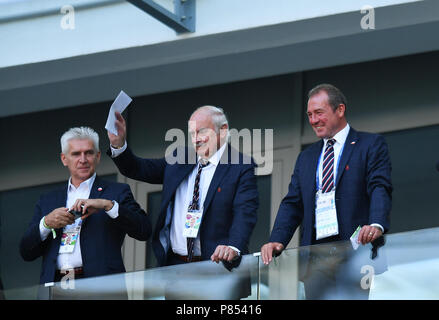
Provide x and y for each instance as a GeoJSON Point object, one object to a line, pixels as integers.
{"type": "Point", "coordinates": [209, 207]}
{"type": "Point", "coordinates": [339, 183]}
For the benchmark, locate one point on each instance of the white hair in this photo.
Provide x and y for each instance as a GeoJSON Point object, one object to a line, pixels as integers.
{"type": "Point", "coordinates": [79, 133]}
{"type": "Point", "coordinates": [218, 118]}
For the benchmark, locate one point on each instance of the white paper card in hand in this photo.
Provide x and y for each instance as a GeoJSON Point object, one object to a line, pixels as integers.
{"type": "Point", "coordinates": [354, 238]}
{"type": "Point", "coordinates": [122, 101]}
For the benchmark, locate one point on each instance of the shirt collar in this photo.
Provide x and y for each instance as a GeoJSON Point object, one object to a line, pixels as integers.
{"type": "Point", "coordinates": [341, 136]}
{"type": "Point", "coordinates": [216, 157]}
{"type": "Point", "coordinates": [87, 183]}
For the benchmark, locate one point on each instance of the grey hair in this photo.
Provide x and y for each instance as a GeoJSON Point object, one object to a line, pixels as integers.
{"type": "Point", "coordinates": [218, 118]}
{"type": "Point", "coordinates": [217, 115]}
{"type": "Point", "coordinates": [79, 133]}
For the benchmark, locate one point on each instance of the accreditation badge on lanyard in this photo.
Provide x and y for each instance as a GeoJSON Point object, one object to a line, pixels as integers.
{"type": "Point", "coordinates": [326, 215]}
{"type": "Point", "coordinates": [192, 223]}
{"type": "Point", "coordinates": [70, 237]}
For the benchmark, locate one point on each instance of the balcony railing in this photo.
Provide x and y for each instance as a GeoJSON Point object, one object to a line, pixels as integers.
{"type": "Point", "coordinates": [403, 266]}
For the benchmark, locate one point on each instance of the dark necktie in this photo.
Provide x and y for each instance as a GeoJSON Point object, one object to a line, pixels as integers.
{"type": "Point", "coordinates": [328, 167]}
{"type": "Point", "coordinates": [194, 205]}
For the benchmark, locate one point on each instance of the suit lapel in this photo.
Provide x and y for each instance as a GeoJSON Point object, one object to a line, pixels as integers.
{"type": "Point", "coordinates": [349, 146]}
{"type": "Point", "coordinates": [315, 152]}
{"type": "Point", "coordinates": [311, 170]}
{"type": "Point", "coordinates": [61, 199]}
{"type": "Point", "coordinates": [97, 188]}
{"type": "Point", "coordinates": [221, 170]}
{"type": "Point", "coordinates": [96, 191]}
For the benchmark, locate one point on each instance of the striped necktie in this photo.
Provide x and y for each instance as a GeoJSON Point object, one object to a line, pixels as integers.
{"type": "Point", "coordinates": [328, 167]}
{"type": "Point", "coordinates": [194, 205]}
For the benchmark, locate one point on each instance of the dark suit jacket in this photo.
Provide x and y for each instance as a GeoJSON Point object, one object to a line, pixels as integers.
{"type": "Point", "coordinates": [363, 189]}
{"type": "Point", "coordinates": [101, 236]}
{"type": "Point", "coordinates": [230, 207]}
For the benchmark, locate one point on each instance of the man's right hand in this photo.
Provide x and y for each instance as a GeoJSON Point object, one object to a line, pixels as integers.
{"type": "Point", "coordinates": [119, 140]}
{"type": "Point", "coordinates": [269, 249]}
{"type": "Point", "coordinates": [59, 218]}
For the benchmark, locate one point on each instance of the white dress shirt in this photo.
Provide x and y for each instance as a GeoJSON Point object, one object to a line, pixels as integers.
{"type": "Point", "coordinates": [72, 260]}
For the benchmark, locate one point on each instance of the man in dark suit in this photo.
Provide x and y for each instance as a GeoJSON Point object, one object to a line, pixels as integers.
{"type": "Point", "coordinates": [219, 186]}
{"type": "Point", "coordinates": [90, 245]}
{"type": "Point", "coordinates": [348, 167]}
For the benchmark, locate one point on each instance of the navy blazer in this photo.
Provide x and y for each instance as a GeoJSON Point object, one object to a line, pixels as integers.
{"type": "Point", "coordinates": [101, 236]}
{"type": "Point", "coordinates": [363, 189]}
{"type": "Point", "coordinates": [230, 207]}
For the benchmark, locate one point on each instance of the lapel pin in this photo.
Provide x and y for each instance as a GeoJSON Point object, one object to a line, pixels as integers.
{"type": "Point", "coordinates": [99, 189]}
{"type": "Point", "coordinates": [347, 167]}
{"type": "Point", "coordinates": [353, 142]}
{"type": "Point", "coordinates": [219, 189]}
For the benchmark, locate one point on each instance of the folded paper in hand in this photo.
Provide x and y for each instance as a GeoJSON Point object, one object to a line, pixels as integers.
{"type": "Point", "coordinates": [122, 101]}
